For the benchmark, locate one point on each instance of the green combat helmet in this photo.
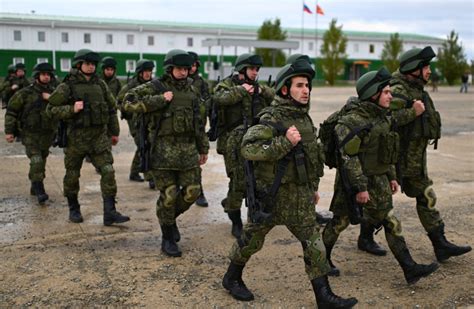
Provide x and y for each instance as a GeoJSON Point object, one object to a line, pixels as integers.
{"type": "Point", "coordinates": [416, 59]}
{"type": "Point", "coordinates": [298, 68]}
{"type": "Point", "coordinates": [144, 65]}
{"type": "Point", "coordinates": [85, 55]}
{"type": "Point", "coordinates": [178, 58]}
{"type": "Point", "coordinates": [195, 58]}
{"type": "Point", "coordinates": [372, 83]}
{"type": "Point", "coordinates": [246, 60]}
{"type": "Point", "coordinates": [11, 69]}
{"type": "Point", "coordinates": [109, 62]}
{"type": "Point", "coordinates": [43, 67]}
{"type": "Point", "coordinates": [20, 66]}
{"type": "Point", "coordinates": [295, 57]}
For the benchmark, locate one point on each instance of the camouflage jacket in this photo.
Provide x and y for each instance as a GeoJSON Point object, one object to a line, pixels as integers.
{"type": "Point", "coordinates": [176, 131]}
{"type": "Point", "coordinates": [113, 83]}
{"type": "Point", "coordinates": [102, 117]}
{"type": "Point", "coordinates": [134, 82]}
{"type": "Point", "coordinates": [412, 142]}
{"type": "Point", "coordinates": [8, 92]}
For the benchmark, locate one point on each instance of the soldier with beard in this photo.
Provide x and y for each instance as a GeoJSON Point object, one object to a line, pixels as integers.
{"type": "Point", "coordinates": [27, 111]}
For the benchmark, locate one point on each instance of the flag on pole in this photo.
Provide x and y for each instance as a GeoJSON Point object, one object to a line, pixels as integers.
{"type": "Point", "coordinates": [319, 10]}
{"type": "Point", "coordinates": [306, 9]}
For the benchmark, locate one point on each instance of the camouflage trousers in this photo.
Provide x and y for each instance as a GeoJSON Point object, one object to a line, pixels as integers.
{"type": "Point", "coordinates": [135, 167]}
{"type": "Point", "coordinates": [234, 164]}
{"type": "Point", "coordinates": [37, 158]}
{"type": "Point", "coordinates": [178, 191]}
{"type": "Point", "coordinates": [378, 211]}
{"type": "Point", "coordinates": [103, 161]}
{"type": "Point", "coordinates": [295, 209]}
{"type": "Point", "coordinates": [421, 188]}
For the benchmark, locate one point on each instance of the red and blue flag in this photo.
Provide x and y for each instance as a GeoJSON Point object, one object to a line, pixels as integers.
{"type": "Point", "coordinates": [306, 9]}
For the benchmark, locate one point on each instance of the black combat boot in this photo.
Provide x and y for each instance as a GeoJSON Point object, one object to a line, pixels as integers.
{"type": "Point", "coordinates": [326, 299]}
{"type": "Point", "coordinates": [366, 240]}
{"type": "Point", "coordinates": [413, 271]}
{"type": "Point", "coordinates": [168, 243]}
{"type": "Point", "coordinates": [201, 200]}
{"type": "Point", "coordinates": [74, 209]}
{"type": "Point", "coordinates": [321, 219]}
{"type": "Point", "coordinates": [233, 283]}
{"type": "Point", "coordinates": [135, 177]}
{"type": "Point", "coordinates": [442, 247]}
{"type": "Point", "coordinates": [237, 225]}
{"type": "Point", "coordinates": [111, 215]}
{"type": "Point", "coordinates": [334, 272]}
{"type": "Point", "coordinates": [38, 189]}
{"type": "Point", "coordinates": [151, 184]}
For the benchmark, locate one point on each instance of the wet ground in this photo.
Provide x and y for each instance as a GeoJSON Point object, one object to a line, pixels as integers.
{"type": "Point", "coordinates": [48, 262]}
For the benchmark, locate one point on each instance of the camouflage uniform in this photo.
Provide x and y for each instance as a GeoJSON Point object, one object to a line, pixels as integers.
{"type": "Point", "coordinates": [27, 111]}
{"type": "Point", "coordinates": [113, 83]}
{"type": "Point", "coordinates": [7, 84]}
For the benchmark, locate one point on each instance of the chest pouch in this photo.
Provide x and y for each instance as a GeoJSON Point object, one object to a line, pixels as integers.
{"type": "Point", "coordinates": [389, 146]}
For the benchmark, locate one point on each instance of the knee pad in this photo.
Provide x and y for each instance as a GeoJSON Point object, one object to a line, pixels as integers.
{"type": "Point", "coordinates": [251, 245]}
{"type": "Point", "coordinates": [169, 196]}
{"type": "Point", "coordinates": [430, 197]}
{"type": "Point", "coordinates": [191, 193]}
{"type": "Point", "coordinates": [392, 225]}
{"type": "Point", "coordinates": [36, 159]}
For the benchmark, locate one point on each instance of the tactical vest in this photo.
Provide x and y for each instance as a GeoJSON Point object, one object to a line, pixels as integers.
{"type": "Point", "coordinates": [96, 110]}
{"type": "Point", "coordinates": [303, 167]}
{"type": "Point", "coordinates": [34, 117]}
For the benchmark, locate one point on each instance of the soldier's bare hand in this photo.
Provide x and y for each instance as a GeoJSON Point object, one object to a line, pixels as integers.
{"type": "Point", "coordinates": [250, 89]}
{"type": "Point", "coordinates": [316, 198]}
{"type": "Point", "coordinates": [202, 159]}
{"type": "Point", "coordinates": [419, 107]}
{"type": "Point", "coordinates": [394, 186]}
{"type": "Point", "coordinates": [45, 96]}
{"type": "Point", "coordinates": [78, 106]}
{"type": "Point", "coordinates": [9, 138]}
{"type": "Point", "coordinates": [15, 87]}
{"type": "Point", "coordinates": [115, 140]}
{"type": "Point", "coordinates": [293, 135]}
{"type": "Point", "coordinates": [168, 96]}
{"type": "Point", "coordinates": [362, 197]}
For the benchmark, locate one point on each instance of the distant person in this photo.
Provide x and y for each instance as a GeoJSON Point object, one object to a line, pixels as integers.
{"type": "Point", "coordinates": [434, 80]}
{"type": "Point", "coordinates": [464, 81]}
{"type": "Point", "coordinates": [109, 70]}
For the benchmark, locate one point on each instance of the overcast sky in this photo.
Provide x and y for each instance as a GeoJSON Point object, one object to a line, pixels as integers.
{"type": "Point", "coordinates": [430, 17]}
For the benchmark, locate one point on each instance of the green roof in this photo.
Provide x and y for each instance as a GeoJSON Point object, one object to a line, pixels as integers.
{"type": "Point", "coordinates": [202, 26]}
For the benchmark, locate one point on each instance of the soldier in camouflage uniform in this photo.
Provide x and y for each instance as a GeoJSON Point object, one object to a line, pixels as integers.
{"type": "Point", "coordinates": [17, 82]}
{"type": "Point", "coordinates": [203, 88]}
{"type": "Point", "coordinates": [367, 159]}
{"type": "Point", "coordinates": [109, 69]}
{"type": "Point", "coordinates": [5, 84]}
{"type": "Point", "coordinates": [408, 86]}
{"type": "Point", "coordinates": [283, 127]}
{"type": "Point", "coordinates": [85, 103]}
{"type": "Point", "coordinates": [27, 111]}
{"type": "Point", "coordinates": [143, 74]}
{"type": "Point", "coordinates": [179, 144]}
{"type": "Point", "coordinates": [237, 97]}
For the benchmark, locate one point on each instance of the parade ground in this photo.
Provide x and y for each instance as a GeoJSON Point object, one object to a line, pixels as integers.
{"type": "Point", "coordinates": [46, 261]}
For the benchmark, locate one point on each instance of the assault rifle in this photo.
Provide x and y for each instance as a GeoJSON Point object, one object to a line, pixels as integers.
{"type": "Point", "coordinates": [213, 132]}
{"type": "Point", "coordinates": [143, 144]}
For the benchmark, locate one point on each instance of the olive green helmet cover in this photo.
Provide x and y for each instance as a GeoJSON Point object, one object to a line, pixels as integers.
{"type": "Point", "coordinates": [415, 59]}
{"type": "Point", "coordinates": [372, 83]}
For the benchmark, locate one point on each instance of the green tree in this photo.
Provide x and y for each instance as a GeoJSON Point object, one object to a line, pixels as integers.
{"type": "Point", "coordinates": [333, 52]}
{"type": "Point", "coordinates": [391, 52]}
{"type": "Point", "coordinates": [451, 59]}
{"type": "Point", "coordinates": [271, 31]}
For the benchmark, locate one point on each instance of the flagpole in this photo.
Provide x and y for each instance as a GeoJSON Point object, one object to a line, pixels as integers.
{"type": "Point", "coordinates": [316, 39]}
{"type": "Point", "coordinates": [302, 27]}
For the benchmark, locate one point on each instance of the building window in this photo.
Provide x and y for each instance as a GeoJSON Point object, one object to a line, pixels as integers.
{"type": "Point", "coordinates": [310, 45]}
{"type": "Point", "coordinates": [87, 38]}
{"type": "Point", "coordinates": [64, 37]}
{"type": "Point", "coordinates": [109, 39]}
{"type": "Point", "coordinates": [42, 60]}
{"type": "Point", "coordinates": [16, 35]}
{"type": "Point", "coordinates": [190, 42]}
{"type": "Point", "coordinates": [130, 65]}
{"type": "Point", "coordinates": [130, 38]}
{"type": "Point", "coordinates": [356, 48]}
{"type": "Point", "coordinates": [65, 64]}
{"type": "Point", "coordinates": [371, 48]}
{"type": "Point", "coordinates": [41, 36]}
{"type": "Point", "coordinates": [18, 60]}
{"type": "Point", "coordinates": [151, 40]}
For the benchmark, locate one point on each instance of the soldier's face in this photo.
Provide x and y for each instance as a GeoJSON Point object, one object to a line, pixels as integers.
{"type": "Point", "coordinates": [87, 67]}
{"type": "Point", "coordinates": [252, 72]}
{"type": "Point", "coordinates": [193, 69]}
{"type": "Point", "coordinates": [109, 72]}
{"type": "Point", "coordinates": [20, 73]}
{"type": "Point", "coordinates": [146, 75]}
{"type": "Point", "coordinates": [299, 89]}
{"type": "Point", "coordinates": [44, 77]}
{"type": "Point", "coordinates": [180, 73]}
{"type": "Point", "coordinates": [385, 97]}
{"type": "Point", "coordinates": [426, 71]}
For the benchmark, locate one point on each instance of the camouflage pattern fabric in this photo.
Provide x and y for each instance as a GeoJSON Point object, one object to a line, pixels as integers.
{"type": "Point", "coordinates": [413, 166]}
{"type": "Point", "coordinates": [83, 139]}
{"type": "Point", "coordinates": [202, 88]}
{"type": "Point", "coordinates": [27, 112]}
{"type": "Point", "coordinates": [294, 203]}
{"type": "Point", "coordinates": [8, 92]}
{"type": "Point", "coordinates": [113, 83]}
